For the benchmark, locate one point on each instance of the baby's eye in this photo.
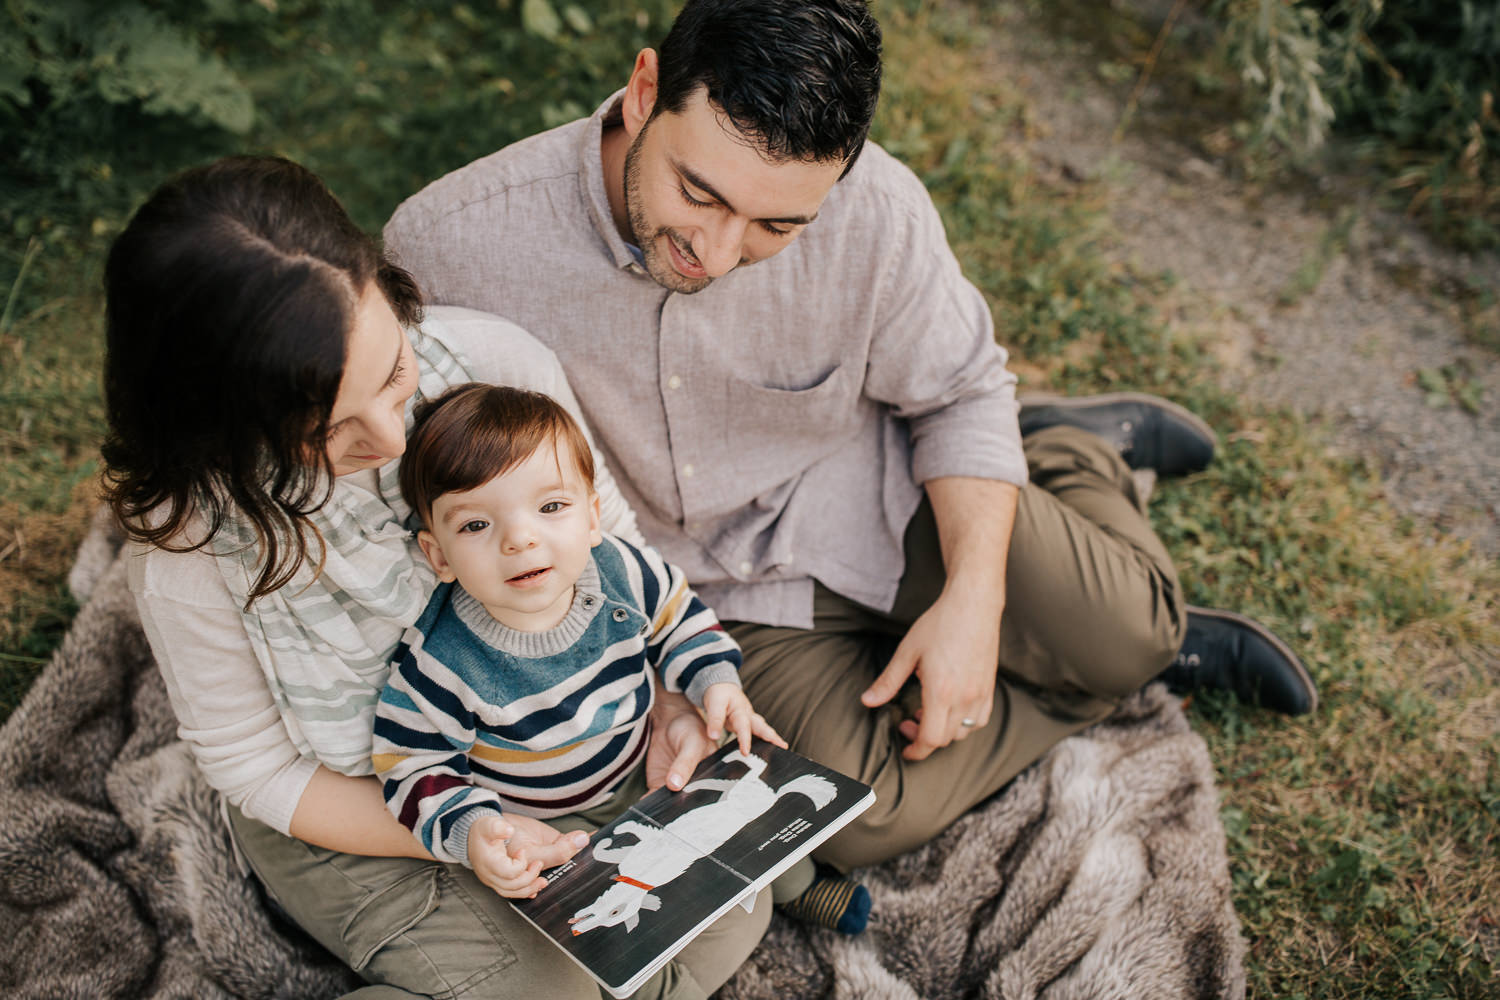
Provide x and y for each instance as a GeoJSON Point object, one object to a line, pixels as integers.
{"type": "Point", "coordinates": [470, 527]}
{"type": "Point", "coordinates": [552, 506]}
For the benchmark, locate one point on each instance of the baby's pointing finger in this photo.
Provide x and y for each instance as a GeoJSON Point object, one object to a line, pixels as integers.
{"type": "Point", "coordinates": [742, 724]}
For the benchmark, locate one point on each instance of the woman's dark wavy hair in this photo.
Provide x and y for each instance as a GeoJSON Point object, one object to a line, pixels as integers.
{"type": "Point", "coordinates": [801, 77]}
{"type": "Point", "coordinates": [230, 296]}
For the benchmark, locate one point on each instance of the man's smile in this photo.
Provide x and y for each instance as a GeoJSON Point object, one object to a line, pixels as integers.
{"type": "Point", "coordinates": [683, 260]}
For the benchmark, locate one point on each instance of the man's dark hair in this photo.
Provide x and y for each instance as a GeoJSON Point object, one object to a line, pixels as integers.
{"type": "Point", "coordinates": [799, 76]}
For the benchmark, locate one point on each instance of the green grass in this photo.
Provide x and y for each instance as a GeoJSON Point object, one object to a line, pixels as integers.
{"type": "Point", "coordinates": [1363, 841]}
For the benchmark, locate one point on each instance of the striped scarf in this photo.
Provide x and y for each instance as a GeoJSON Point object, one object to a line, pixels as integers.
{"type": "Point", "coordinates": [325, 639]}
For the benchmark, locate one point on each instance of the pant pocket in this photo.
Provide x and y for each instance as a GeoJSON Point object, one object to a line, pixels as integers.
{"type": "Point", "coordinates": [388, 913]}
{"type": "Point", "coordinates": [438, 932]}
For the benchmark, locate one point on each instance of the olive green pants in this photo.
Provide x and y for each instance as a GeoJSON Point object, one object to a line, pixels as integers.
{"type": "Point", "coordinates": [1093, 611]}
{"type": "Point", "coordinates": [422, 929]}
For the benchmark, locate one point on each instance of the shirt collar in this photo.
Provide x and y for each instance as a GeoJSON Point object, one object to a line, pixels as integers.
{"type": "Point", "coordinates": [592, 172]}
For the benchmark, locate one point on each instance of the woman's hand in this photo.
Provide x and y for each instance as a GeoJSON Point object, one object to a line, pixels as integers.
{"type": "Point", "coordinates": [679, 741]}
{"type": "Point", "coordinates": [508, 853]}
{"type": "Point", "coordinates": [726, 702]}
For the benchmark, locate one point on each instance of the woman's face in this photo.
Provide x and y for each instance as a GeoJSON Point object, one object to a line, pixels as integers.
{"type": "Point", "coordinates": [367, 427]}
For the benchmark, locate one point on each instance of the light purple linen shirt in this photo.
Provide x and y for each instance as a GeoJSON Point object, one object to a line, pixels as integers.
{"type": "Point", "coordinates": [772, 429]}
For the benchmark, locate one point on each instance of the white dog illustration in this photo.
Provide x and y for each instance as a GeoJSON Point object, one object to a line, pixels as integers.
{"type": "Point", "coordinates": [660, 855]}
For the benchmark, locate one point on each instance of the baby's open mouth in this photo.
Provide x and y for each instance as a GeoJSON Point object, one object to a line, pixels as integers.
{"type": "Point", "coordinates": [532, 575]}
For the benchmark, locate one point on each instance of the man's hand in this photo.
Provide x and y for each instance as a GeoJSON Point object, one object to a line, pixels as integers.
{"type": "Point", "coordinates": [727, 703]}
{"type": "Point", "coordinates": [954, 647]}
{"type": "Point", "coordinates": [679, 741]}
{"type": "Point", "coordinates": [953, 650]}
{"type": "Point", "coordinates": [508, 853]}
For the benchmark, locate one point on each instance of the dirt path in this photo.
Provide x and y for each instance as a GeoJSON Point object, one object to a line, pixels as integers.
{"type": "Point", "coordinates": [1345, 314]}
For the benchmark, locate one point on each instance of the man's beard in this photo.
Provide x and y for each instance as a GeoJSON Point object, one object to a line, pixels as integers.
{"type": "Point", "coordinates": [657, 264]}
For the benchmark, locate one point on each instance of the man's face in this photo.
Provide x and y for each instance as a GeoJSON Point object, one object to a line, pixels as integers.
{"type": "Point", "coordinates": [703, 200]}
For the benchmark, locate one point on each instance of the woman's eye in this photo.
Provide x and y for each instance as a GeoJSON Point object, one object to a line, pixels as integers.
{"type": "Point", "coordinates": [469, 527]}
{"type": "Point", "coordinates": [552, 506]}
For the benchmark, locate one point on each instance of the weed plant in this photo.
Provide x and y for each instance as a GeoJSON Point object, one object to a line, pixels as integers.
{"type": "Point", "coordinates": [1412, 82]}
{"type": "Point", "coordinates": [1362, 840]}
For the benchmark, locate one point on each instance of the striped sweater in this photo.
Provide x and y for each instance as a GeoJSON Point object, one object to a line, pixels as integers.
{"type": "Point", "coordinates": [478, 717]}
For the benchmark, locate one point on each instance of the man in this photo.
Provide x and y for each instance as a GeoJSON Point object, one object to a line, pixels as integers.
{"type": "Point", "coordinates": [803, 400]}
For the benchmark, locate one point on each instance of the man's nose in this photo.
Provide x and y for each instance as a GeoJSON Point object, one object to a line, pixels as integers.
{"type": "Point", "coordinates": [722, 246]}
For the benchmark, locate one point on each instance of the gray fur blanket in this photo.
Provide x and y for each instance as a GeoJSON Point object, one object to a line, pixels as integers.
{"type": "Point", "coordinates": [1100, 872]}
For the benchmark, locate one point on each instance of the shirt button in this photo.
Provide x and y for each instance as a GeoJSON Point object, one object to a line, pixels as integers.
{"type": "Point", "coordinates": [674, 382]}
{"type": "Point", "coordinates": [745, 568]}
{"type": "Point", "coordinates": [620, 614]}
{"type": "Point", "coordinates": [687, 471]}
{"type": "Point", "coordinates": [588, 602]}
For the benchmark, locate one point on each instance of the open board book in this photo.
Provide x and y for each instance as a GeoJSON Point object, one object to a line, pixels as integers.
{"type": "Point", "coordinates": [672, 864]}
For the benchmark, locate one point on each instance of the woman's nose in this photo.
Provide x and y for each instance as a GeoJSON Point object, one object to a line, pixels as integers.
{"type": "Point", "coordinates": [386, 432]}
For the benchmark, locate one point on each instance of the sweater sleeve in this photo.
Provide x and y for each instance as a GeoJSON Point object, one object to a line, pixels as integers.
{"type": "Point", "coordinates": [687, 644]}
{"type": "Point", "coordinates": [423, 735]}
{"type": "Point", "coordinates": [224, 707]}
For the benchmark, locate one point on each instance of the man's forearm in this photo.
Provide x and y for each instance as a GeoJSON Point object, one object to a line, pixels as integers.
{"type": "Point", "coordinates": [975, 518]}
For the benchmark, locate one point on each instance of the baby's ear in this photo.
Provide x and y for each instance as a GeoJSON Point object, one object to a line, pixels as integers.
{"type": "Point", "coordinates": [433, 550]}
{"type": "Point", "coordinates": [595, 535]}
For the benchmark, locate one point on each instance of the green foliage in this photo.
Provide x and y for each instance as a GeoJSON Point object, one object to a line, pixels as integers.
{"type": "Point", "coordinates": [1414, 80]}
{"type": "Point", "coordinates": [86, 84]}
{"type": "Point", "coordinates": [1421, 75]}
{"type": "Point", "coordinates": [377, 97]}
{"type": "Point", "coordinates": [1276, 46]}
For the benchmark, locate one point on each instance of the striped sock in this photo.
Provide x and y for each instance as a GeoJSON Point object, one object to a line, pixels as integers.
{"type": "Point", "coordinates": [832, 901]}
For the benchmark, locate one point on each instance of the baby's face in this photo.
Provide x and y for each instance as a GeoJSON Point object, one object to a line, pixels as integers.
{"type": "Point", "coordinates": [519, 542]}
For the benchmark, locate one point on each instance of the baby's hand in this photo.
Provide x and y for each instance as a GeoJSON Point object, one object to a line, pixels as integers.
{"type": "Point", "coordinates": [727, 702]}
{"type": "Point", "coordinates": [508, 853]}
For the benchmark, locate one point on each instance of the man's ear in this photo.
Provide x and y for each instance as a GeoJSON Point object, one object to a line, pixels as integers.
{"type": "Point", "coordinates": [433, 550]}
{"type": "Point", "coordinates": [640, 93]}
{"type": "Point", "coordinates": [595, 534]}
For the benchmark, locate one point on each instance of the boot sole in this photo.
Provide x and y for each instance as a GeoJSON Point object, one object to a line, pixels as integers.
{"type": "Point", "coordinates": [1080, 402]}
{"type": "Point", "coordinates": [1276, 643]}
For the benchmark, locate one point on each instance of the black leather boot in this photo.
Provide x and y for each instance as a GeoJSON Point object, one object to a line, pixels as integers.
{"type": "Point", "coordinates": [1234, 653]}
{"type": "Point", "coordinates": [1150, 432]}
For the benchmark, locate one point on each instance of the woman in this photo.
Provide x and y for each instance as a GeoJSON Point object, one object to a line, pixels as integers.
{"type": "Point", "coordinates": [262, 363]}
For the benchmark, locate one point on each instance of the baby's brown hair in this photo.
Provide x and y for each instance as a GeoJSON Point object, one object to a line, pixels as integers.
{"type": "Point", "coordinates": [474, 432]}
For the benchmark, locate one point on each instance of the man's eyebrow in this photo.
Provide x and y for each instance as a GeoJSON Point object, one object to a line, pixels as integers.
{"type": "Point", "coordinates": [698, 182]}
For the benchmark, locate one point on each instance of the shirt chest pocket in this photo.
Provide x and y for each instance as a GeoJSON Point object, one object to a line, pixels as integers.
{"type": "Point", "coordinates": [775, 433]}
